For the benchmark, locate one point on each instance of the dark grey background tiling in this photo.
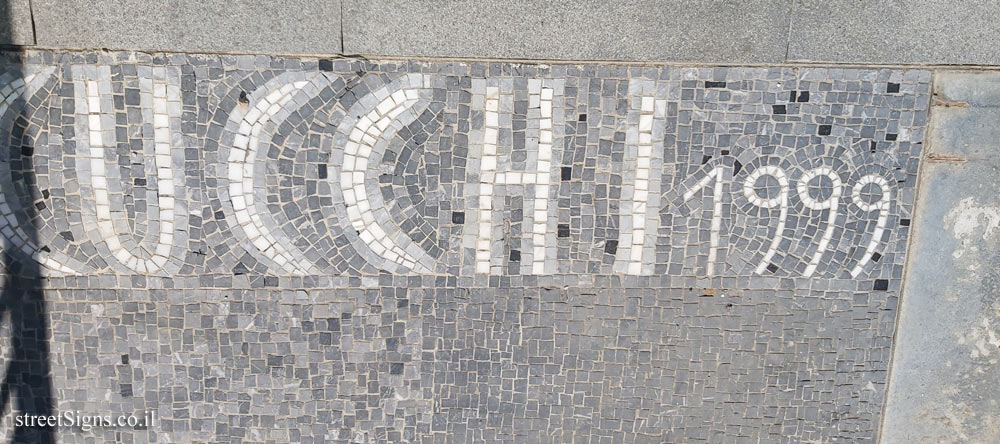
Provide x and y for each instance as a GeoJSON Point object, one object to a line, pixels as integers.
{"type": "Point", "coordinates": [439, 363]}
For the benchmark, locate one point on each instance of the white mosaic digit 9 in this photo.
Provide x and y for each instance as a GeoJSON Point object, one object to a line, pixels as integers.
{"type": "Point", "coordinates": [780, 201]}
{"type": "Point", "coordinates": [881, 205]}
{"type": "Point", "coordinates": [831, 203]}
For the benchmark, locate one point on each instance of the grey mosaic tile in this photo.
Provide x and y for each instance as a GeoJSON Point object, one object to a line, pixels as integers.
{"type": "Point", "coordinates": [267, 249]}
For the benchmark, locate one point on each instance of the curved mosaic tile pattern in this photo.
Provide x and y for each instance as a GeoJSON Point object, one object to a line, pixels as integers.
{"type": "Point", "coordinates": [366, 126]}
{"type": "Point", "coordinates": [462, 252]}
{"type": "Point", "coordinates": [382, 245]}
{"type": "Point", "coordinates": [879, 204]}
{"type": "Point", "coordinates": [21, 100]}
{"type": "Point", "coordinates": [159, 97]}
{"type": "Point", "coordinates": [266, 109]}
{"type": "Point", "coordinates": [409, 185]}
{"type": "Point", "coordinates": [754, 194]}
{"type": "Point", "coordinates": [872, 192]}
{"type": "Point", "coordinates": [513, 192]}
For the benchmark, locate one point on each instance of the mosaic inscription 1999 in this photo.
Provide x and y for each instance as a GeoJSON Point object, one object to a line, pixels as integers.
{"type": "Point", "coordinates": [270, 249]}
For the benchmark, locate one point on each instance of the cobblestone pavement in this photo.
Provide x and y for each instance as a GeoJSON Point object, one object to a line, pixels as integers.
{"type": "Point", "coordinates": [267, 249]}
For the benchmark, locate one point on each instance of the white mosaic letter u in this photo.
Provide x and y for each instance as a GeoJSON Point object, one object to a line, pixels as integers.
{"type": "Point", "coordinates": [97, 136]}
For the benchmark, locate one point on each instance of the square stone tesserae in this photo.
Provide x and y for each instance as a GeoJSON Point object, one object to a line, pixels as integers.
{"type": "Point", "coordinates": [271, 249]}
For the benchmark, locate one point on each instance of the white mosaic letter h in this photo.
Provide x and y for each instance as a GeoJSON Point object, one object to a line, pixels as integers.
{"type": "Point", "coordinates": [541, 135]}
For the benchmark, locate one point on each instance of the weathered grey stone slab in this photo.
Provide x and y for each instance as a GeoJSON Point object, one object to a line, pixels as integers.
{"type": "Point", "coordinates": [15, 23]}
{"type": "Point", "coordinates": [939, 32]}
{"type": "Point", "coordinates": [943, 382]}
{"type": "Point", "coordinates": [297, 26]}
{"type": "Point", "coordinates": [748, 31]}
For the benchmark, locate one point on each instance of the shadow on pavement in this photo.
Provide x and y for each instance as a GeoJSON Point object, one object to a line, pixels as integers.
{"type": "Point", "coordinates": [26, 387]}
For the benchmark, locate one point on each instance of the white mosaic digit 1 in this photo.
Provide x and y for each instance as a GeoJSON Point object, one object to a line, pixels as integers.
{"type": "Point", "coordinates": [781, 201]}
{"type": "Point", "coordinates": [716, 175]}
{"type": "Point", "coordinates": [831, 203]}
{"type": "Point", "coordinates": [882, 206]}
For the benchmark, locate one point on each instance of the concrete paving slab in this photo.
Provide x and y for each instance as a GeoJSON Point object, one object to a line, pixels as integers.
{"type": "Point", "coordinates": [943, 383]}
{"type": "Point", "coordinates": [935, 31]}
{"type": "Point", "coordinates": [295, 26]}
{"type": "Point", "coordinates": [676, 30]}
{"type": "Point", "coordinates": [15, 23]}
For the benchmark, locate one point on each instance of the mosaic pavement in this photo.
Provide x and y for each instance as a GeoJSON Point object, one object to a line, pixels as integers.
{"type": "Point", "coordinates": [269, 249]}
